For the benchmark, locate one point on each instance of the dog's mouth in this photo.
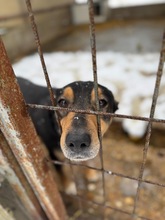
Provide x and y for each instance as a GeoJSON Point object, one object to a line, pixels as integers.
{"type": "Point", "coordinates": [81, 155]}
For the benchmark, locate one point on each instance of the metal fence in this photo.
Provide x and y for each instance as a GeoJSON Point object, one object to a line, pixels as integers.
{"type": "Point", "coordinates": [140, 179]}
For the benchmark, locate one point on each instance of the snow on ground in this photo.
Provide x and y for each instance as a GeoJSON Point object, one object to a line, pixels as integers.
{"type": "Point", "coordinates": [125, 3]}
{"type": "Point", "coordinates": [131, 77]}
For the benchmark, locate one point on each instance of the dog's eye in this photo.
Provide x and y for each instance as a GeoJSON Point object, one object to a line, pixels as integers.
{"type": "Point", "coordinates": [102, 103]}
{"type": "Point", "coordinates": [63, 103]}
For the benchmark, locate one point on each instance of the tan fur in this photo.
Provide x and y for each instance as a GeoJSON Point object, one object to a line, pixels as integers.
{"type": "Point", "coordinates": [93, 97]}
{"type": "Point", "coordinates": [68, 94]}
{"type": "Point", "coordinates": [66, 126]}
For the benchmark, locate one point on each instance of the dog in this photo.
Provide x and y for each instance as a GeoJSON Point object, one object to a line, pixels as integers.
{"type": "Point", "coordinates": [75, 134]}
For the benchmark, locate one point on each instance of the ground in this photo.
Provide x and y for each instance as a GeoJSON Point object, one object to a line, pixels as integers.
{"type": "Point", "coordinates": [124, 156]}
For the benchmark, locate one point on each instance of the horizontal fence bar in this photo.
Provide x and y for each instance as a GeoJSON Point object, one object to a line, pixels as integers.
{"type": "Point", "coordinates": [106, 171]}
{"type": "Point", "coordinates": [105, 206]}
{"type": "Point", "coordinates": [114, 115]}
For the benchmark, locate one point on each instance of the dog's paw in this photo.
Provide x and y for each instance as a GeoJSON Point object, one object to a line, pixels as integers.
{"type": "Point", "coordinates": [70, 189]}
{"type": "Point", "coordinates": [92, 175]}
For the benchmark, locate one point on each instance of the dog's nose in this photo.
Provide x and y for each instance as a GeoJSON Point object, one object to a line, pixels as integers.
{"type": "Point", "coordinates": [78, 142]}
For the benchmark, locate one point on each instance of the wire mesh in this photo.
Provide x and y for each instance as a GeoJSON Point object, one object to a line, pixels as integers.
{"type": "Point", "coordinates": [140, 179]}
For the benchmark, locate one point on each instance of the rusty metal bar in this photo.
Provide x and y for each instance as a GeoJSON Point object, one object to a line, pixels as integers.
{"type": "Point", "coordinates": [94, 64]}
{"type": "Point", "coordinates": [108, 206]}
{"type": "Point", "coordinates": [11, 170]}
{"type": "Point", "coordinates": [38, 44]}
{"type": "Point", "coordinates": [149, 129]}
{"type": "Point", "coordinates": [52, 96]}
{"type": "Point", "coordinates": [27, 148]}
{"type": "Point", "coordinates": [109, 172]}
{"type": "Point", "coordinates": [75, 183]}
{"type": "Point", "coordinates": [52, 108]}
{"type": "Point", "coordinates": [37, 40]}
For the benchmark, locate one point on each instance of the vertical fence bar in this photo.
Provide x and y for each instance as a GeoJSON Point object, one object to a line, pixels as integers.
{"type": "Point", "coordinates": [38, 44]}
{"type": "Point", "coordinates": [52, 97]}
{"type": "Point", "coordinates": [37, 40]}
{"type": "Point", "coordinates": [94, 62]}
{"type": "Point", "coordinates": [19, 131]}
{"type": "Point", "coordinates": [149, 129]}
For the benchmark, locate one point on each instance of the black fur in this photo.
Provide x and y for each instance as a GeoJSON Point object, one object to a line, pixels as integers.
{"type": "Point", "coordinates": [44, 120]}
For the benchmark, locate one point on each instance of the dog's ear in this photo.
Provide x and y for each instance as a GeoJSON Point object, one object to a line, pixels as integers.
{"type": "Point", "coordinates": [115, 106]}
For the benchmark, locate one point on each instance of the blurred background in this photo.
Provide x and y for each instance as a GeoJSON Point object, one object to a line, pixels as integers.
{"type": "Point", "coordinates": [129, 39]}
{"type": "Point", "coordinates": [59, 21]}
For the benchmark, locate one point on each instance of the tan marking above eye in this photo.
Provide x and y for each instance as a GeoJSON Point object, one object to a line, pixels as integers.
{"type": "Point", "coordinates": [100, 96]}
{"type": "Point", "coordinates": [93, 94]}
{"type": "Point", "coordinates": [68, 94]}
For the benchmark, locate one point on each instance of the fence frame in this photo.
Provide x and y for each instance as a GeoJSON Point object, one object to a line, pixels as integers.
{"type": "Point", "coordinates": [140, 179]}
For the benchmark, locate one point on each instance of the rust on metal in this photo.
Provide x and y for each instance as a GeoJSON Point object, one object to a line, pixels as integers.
{"type": "Point", "coordinates": [11, 170]}
{"type": "Point", "coordinates": [95, 77]}
{"type": "Point", "coordinates": [41, 56]}
{"type": "Point", "coordinates": [19, 131]}
{"type": "Point", "coordinates": [108, 172]}
{"type": "Point", "coordinates": [107, 206]}
{"type": "Point", "coordinates": [114, 115]}
{"type": "Point", "coordinates": [38, 43]}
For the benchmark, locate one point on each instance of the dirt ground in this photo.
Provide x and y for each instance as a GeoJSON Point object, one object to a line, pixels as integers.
{"type": "Point", "coordinates": [124, 157]}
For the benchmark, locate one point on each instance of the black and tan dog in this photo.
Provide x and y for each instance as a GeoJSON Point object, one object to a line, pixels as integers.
{"type": "Point", "coordinates": [78, 138]}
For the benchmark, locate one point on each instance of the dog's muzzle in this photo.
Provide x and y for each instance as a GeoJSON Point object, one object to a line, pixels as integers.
{"type": "Point", "coordinates": [78, 147]}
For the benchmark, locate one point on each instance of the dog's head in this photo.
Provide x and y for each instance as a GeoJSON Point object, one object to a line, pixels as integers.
{"type": "Point", "coordinates": [79, 138]}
